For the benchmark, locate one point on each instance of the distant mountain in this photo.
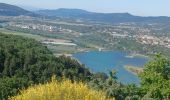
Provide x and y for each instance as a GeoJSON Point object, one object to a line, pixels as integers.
{"type": "Point", "coordinates": [101, 17]}
{"type": "Point", "coordinates": [64, 12]}
{"type": "Point", "coordinates": [11, 10]}
{"type": "Point", "coordinates": [30, 8]}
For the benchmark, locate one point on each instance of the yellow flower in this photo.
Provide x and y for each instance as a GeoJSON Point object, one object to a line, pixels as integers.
{"type": "Point", "coordinates": [65, 90]}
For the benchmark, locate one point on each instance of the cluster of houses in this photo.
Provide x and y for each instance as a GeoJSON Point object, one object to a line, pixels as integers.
{"type": "Point", "coordinates": [44, 27]}
{"type": "Point", "coordinates": [34, 26]}
{"type": "Point", "coordinates": [153, 40]}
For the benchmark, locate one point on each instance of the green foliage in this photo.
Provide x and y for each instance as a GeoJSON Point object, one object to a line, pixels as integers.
{"type": "Point", "coordinates": [9, 86]}
{"type": "Point", "coordinates": [108, 84]}
{"type": "Point", "coordinates": [34, 63]}
{"type": "Point", "coordinates": [155, 80]}
{"type": "Point", "coordinates": [131, 92]}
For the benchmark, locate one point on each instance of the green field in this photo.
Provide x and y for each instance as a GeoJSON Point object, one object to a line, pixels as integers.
{"type": "Point", "coordinates": [36, 37]}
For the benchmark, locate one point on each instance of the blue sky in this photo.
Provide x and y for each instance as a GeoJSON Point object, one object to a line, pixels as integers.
{"type": "Point", "coordinates": [135, 7]}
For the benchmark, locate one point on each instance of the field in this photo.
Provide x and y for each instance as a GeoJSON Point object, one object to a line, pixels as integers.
{"type": "Point", "coordinates": [36, 37]}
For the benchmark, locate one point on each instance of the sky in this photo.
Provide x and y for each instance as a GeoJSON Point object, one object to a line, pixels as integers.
{"type": "Point", "coordinates": [135, 7]}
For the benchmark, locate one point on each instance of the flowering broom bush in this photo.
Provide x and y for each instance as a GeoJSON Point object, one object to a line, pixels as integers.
{"type": "Point", "coordinates": [65, 90]}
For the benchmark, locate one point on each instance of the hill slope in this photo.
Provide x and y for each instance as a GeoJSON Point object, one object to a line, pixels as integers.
{"type": "Point", "coordinates": [25, 61]}
{"type": "Point", "coordinates": [11, 10]}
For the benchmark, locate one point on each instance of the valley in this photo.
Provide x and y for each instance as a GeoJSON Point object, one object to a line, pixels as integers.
{"type": "Point", "coordinates": [83, 35]}
{"type": "Point", "coordinates": [85, 55]}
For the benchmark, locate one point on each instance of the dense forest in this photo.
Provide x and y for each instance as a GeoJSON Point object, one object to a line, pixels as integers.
{"type": "Point", "coordinates": [26, 62]}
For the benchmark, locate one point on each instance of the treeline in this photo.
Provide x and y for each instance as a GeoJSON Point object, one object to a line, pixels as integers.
{"type": "Point", "coordinates": [25, 62]}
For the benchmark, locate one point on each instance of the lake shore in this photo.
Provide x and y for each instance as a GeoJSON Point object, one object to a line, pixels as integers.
{"type": "Point", "coordinates": [137, 55]}
{"type": "Point", "coordinates": [133, 69]}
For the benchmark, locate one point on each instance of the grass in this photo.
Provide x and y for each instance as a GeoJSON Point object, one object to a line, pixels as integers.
{"type": "Point", "coordinates": [62, 49]}
{"type": "Point", "coordinates": [65, 90]}
{"type": "Point", "coordinates": [36, 37]}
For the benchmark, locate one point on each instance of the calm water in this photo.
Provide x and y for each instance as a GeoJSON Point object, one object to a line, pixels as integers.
{"type": "Point", "coordinates": [105, 61]}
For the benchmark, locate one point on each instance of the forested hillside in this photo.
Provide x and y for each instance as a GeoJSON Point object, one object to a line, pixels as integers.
{"type": "Point", "coordinates": [25, 61]}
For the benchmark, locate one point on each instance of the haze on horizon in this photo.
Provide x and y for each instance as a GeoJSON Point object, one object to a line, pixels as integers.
{"type": "Point", "coordinates": [135, 7]}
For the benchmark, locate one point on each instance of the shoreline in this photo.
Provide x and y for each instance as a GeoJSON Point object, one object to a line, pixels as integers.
{"type": "Point", "coordinates": [137, 56]}
{"type": "Point", "coordinates": [133, 69]}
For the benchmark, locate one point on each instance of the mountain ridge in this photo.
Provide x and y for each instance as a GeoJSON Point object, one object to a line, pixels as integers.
{"type": "Point", "coordinates": [101, 17]}
{"type": "Point", "coordinates": [12, 10]}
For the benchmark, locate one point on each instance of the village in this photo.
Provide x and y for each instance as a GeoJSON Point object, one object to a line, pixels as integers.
{"type": "Point", "coordinates": [153, 40]}
{"type": "Point", "coordinates": [140, 34]}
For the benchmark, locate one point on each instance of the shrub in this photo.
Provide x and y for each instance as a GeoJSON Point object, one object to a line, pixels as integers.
{"type": "Point", "coordinates": [65, 90]}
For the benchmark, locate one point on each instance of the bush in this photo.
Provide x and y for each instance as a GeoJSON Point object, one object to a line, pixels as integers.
{"type": "Point", "coordinates": [65, 90]}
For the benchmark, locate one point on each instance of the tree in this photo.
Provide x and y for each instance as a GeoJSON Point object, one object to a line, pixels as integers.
{"type": "Point", "coordinates": [2, 58]}
{"type": "Point", "coordinates": [155, 79]}
{"type": "Point", "coordinates": [11, 86]}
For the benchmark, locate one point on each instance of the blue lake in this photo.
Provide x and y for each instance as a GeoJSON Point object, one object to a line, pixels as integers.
{"type": "Point", "coordinates": [109, 60]}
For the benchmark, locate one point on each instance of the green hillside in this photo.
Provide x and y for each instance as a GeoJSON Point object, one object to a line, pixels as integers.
{"type": "Point", "coordinates": [25, 61]}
